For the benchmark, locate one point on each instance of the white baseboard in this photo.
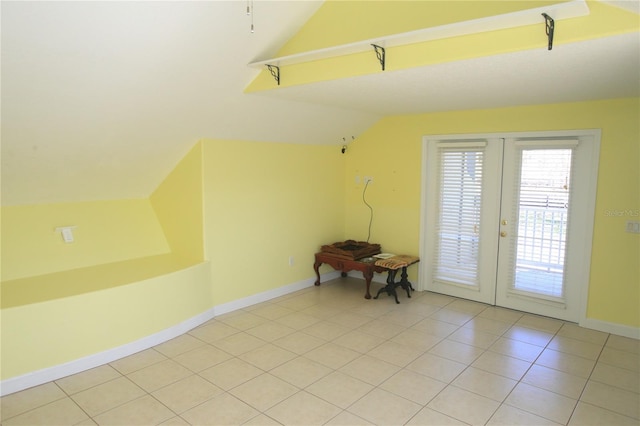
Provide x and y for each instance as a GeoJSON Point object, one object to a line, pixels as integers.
{"type": "Point", "coordinates": [610, 327]}
{"type": "Point", "coordinates": [45, 375]}
{"type": "Point", "coordinates": [35, 378]}
{"type": "Point", "coordinates": [271, 294]}
{"type": "Point", "coordinates": [39, 377]}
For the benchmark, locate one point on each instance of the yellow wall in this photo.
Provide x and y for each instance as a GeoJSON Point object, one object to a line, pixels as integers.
{"type": "Point", "coordinates": [248, 207]}
{"type": "Point", "coordinates": [265, 202]}
{"type": "Point", "coordinates": [42, 335]}
{"type": "Point", "coordinates": [107, 231]}
{"type": "Point", "coordinates": [363, 20]}
{"type": "Point", "coordinates": [178, 204]}
{"type": "Point", "coordinates": [73, 282]}
{"type": "Point", "coordinates": [77, 287]}
{"type": "Point", "coordinates": [390, 151]}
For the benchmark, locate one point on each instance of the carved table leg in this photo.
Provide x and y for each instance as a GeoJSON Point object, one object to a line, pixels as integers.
{"type": "Point", "coordinates": [316, 267]}
{"type": "Point", "coordinates": [368, 276]}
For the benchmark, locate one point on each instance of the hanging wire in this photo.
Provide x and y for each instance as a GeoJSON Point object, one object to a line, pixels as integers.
{"type": "Point", "coordinates": [370, 208]}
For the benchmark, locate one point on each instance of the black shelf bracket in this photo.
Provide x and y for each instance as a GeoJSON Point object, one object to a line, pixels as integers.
{"type": "Point", "coordinates": [275, 72]}
{"type": "Point", "coordinates": [380, 54]}
{"type": "Point", "coordinates": [549, 27]}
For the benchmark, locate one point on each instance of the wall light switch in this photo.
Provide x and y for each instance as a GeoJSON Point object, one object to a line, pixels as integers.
{"type": "Point", "coordinates": [67, 233]}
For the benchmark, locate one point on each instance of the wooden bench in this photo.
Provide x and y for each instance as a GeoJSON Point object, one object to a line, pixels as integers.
{"type": "Point", "coordinates": [393, 265]}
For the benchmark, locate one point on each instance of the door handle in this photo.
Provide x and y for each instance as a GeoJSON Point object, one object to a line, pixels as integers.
{"type": "Point", "coordinates": [504, 221]}
{"type": "Point", "coordinates": [503, 234]}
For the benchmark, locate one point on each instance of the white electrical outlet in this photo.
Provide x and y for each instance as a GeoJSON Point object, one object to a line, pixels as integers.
{"type": "Point", "coordinates": [633, 227]}
{"type": "Point", "coordinates": [368, 179]}
{"type": "Point", "coordinates": [291, 261]}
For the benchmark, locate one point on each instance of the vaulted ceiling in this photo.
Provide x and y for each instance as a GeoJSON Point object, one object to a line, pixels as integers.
{"type": "Point", "coordinates": [100, 100]}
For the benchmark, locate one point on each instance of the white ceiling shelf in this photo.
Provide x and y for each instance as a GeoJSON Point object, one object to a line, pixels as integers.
{"type": "Point", "coordinates": [570, 9]}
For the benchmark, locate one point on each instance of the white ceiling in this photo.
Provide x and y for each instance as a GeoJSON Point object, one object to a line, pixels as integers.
{"type": "Point", "coordinates": [100, 100]}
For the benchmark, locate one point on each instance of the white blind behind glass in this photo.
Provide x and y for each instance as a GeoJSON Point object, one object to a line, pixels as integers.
{"type": "Point", "coordinates": [543, 203]}
{"type": "Point", "coordinates": [458, 224]}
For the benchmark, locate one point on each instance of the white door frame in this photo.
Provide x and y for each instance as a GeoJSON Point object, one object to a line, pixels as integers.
{"type": "Point", "coordinates": [426, 186]}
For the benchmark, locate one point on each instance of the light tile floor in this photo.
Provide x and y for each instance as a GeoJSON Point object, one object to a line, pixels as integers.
{"type": "Point", "coordinates": [325, 355]}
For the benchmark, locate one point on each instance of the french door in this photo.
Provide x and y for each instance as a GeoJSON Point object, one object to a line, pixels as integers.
{"type": "Point", "coordinates": [507, 219]}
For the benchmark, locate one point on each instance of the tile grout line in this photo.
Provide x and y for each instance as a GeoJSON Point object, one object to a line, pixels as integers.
{"type": "Point", "coordinates": [347, 309]}
{"type": "Point", "coordinates": [526, 372]}
{"type": "Point", "coordinates": [595, 365]}
{"type": "Point", "coordinates": [388, 339]}
{"type": "Point", "coordinates": [450, 383]}
{"type": "Point", "coordinates": [586, 383]}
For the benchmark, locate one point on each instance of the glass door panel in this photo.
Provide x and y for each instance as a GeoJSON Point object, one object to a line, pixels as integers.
{"type": "Point", "coordinates": [543, 204]}
{"type": "Point", "coordinates": [509, 221]}
{"type": "Point", "coordinates": [462, 201]}
{"type": "Point", "coordinates": [542, 226]}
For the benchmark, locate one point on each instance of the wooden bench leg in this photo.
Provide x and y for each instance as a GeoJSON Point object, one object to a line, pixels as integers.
{"type": "Point", "coordinates": [404, 282]}
{"type": "Point", "coordinates": [390, 288]}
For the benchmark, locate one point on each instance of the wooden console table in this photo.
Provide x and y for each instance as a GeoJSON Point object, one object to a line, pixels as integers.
{"type": "Point", "coordinates": [368, 266]}
{"type": "Point", "coordinates": [345, 265]}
